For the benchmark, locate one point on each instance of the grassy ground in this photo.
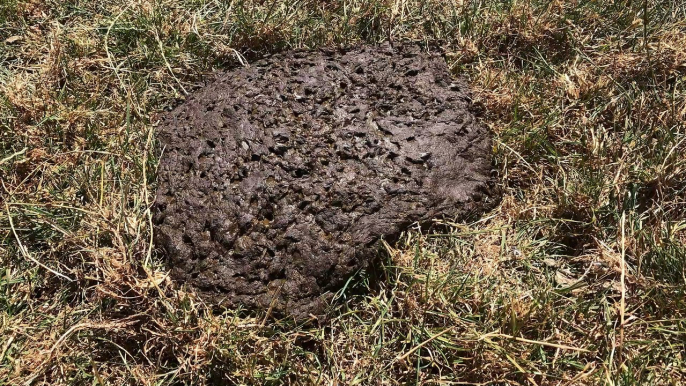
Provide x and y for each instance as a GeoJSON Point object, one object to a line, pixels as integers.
{"type": "Point", "coordinates": [577, 278]}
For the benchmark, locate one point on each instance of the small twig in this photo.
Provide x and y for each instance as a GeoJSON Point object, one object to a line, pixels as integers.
{"type": "Point", "coordinates": [542, 343]}
{"type": "Point", "coordinates": [148, 215]}
{"type": "Point", "coordinates": [521, 369]}
{"type": "Point", "coordinates": [90, 212]}
{"type": "Point", "coordinates": [424, 343]}
{"type": "Point", "coordinates": [269, 13]}
{"type": "Point", "coordinates": [6, 348]}
{"type": "Point", "coordinates": [528, 165]}
{"type": "Point", "coordinates": [107, 50]}
{"type": "Point", "coordinates": [646, 20]}
{"type": "Point", "coordinates": [241, 58]}
{"type": "Point", "coordinates": [585, 373]}
{"type": "Point", "coordinates": [146, 193]}
{"type": "Point", "coordinates": [102, 181]}
{"type": "Point", "coordinates": [271, 306]}
{"type": "Point", "coordinates": [25, 252]}
{"type": "Point", "coordinates": [622, 304]}
{"type": "Point", "coordinates": [7, 159]}
{"type": "Point", "coordinates": [664, 162]}
{"type": "Point", "coordinates": [40, 370]}
{"type": "Point", "coordinates": [159, 43]}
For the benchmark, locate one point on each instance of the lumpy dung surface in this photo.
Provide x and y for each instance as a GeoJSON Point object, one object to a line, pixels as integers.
{"type": "Point", "coordinates": [277, 180]}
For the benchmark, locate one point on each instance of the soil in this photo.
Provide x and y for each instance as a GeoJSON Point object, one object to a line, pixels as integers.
{"type": "Point", "coordinates": [278, 180]}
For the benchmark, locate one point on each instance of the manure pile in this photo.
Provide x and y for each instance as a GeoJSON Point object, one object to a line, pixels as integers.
{"type": "Point", "coordinates": [277, 180]}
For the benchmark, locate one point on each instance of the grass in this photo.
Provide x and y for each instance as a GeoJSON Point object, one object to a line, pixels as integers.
{"type": "Point", "coordinates": [577, 278]}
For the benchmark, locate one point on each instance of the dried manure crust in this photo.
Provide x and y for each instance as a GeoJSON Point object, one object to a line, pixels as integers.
{"type": "Point", "coordinates": [277, 180]}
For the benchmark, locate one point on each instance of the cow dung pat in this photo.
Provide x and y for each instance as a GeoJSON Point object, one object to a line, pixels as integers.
{"type": "Point", "coordinates": [278, 179]}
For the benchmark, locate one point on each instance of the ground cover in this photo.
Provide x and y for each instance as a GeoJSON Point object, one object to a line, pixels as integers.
{"type": "Point", "coordinates": [577, 277]}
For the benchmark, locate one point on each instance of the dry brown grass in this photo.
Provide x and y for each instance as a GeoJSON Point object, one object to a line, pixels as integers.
{"type": "Point", "coordinates": [577, 278]}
